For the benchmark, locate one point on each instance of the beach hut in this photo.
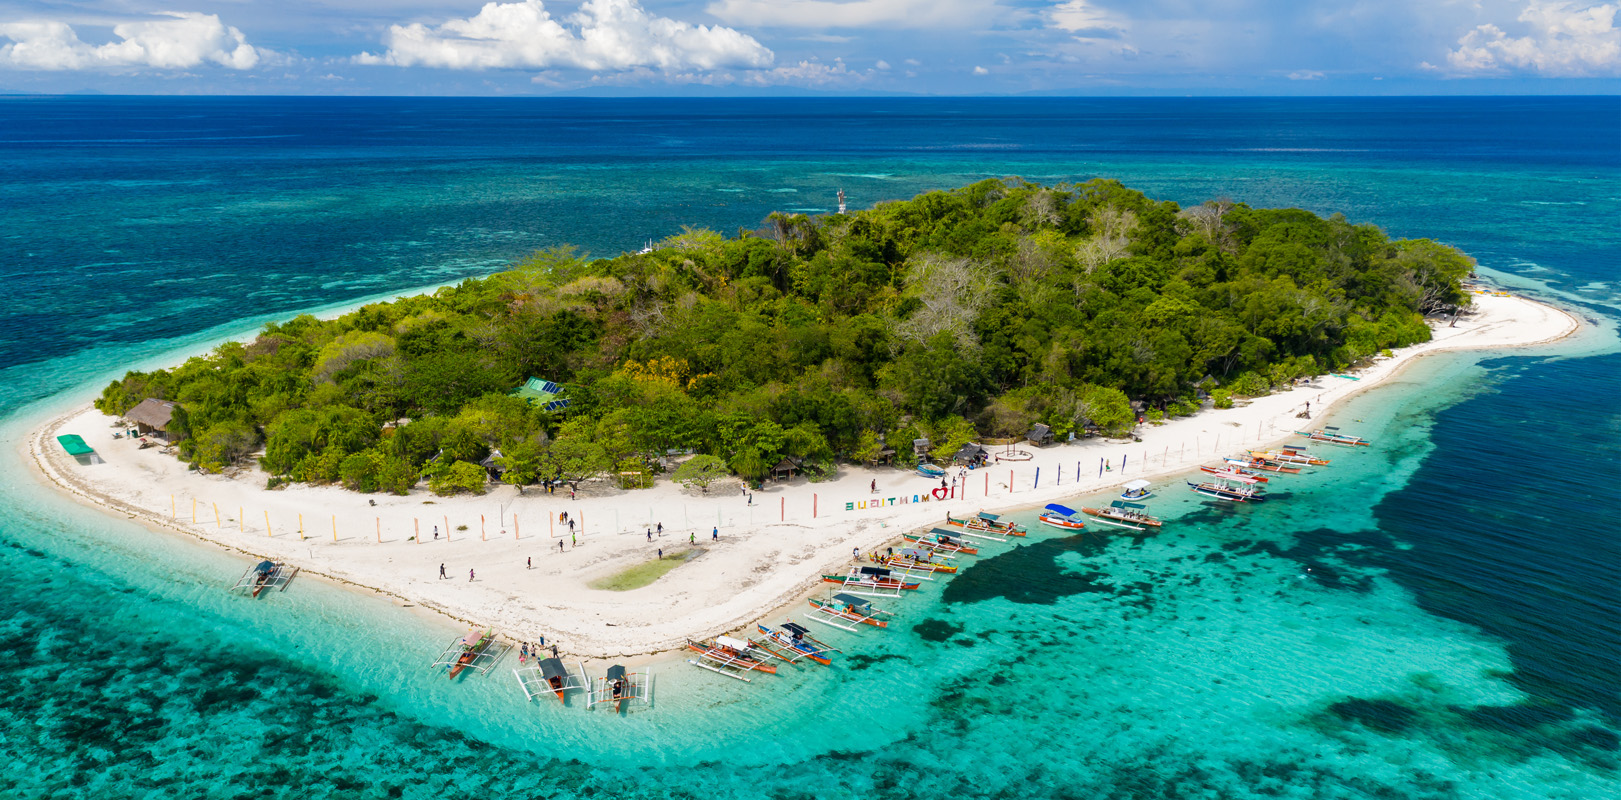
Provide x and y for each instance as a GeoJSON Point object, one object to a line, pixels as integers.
{"type": "Point", "coordinates": [786, 468]}
{"type": "Point", "coordinates": [491, 468]}
{"type": "Point", "coordinates": [885, 456]}
{"type": "Point", "coordinates": [972, 453]}
{"type": "Point", "coordinates": [543, 393]}
{"type": "Point", "coordinates": [152, 417]}
{"type": "Point", "coordinates": [1040, 435]}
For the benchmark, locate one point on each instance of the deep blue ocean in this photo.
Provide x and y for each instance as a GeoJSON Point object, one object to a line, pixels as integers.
{"type": "Point", "coordinates": [1434, 618]}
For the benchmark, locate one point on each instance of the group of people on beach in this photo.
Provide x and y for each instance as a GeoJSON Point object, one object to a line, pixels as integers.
{"type": "Point", "coordinates": [527, 650]}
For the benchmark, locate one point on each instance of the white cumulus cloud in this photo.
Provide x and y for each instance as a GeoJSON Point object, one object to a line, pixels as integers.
{"type": "Point", "coordinates": [1079, 18]}
{"type": "Point", "coordinates": [604, 35]}
{"type": "Point", "coordinates": [855, 13]}
{"type": "Point", "coordinates": [1560, 39]}
{"type": "Point", "coordinates": [180, 40]}
{"type": "Point", "coordinates": [1305, 75]}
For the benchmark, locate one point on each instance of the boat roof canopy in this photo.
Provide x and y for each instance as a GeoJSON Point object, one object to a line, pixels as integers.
{"type": "Point", "coordinates": [1137, 484]}
{"type": "Point", "coordinates": [1124, 504]}
{"type": "Point", "coordinates": [988, 517]}
{"type": "Point", "coordinates": [1058, 509]}
{"type": "Point", "coordinates": [616, 672]}
{"type": "Point", "coordinates": [943, 533]}
{"type": "Point", "coordinates": [878, 571]}
{"type": "Point", "coordinates": [795, 628]}
{"type": "Point", "coordinates": [850, 599]}
{"type": "Point", "coordinates": [553, 668]}
{"type": "Point", "coordinates": [913, 552]}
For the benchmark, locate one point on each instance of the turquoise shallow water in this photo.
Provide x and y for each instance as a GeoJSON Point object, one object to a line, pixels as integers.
{"type": "Point", "coordinates": [1413, 621]}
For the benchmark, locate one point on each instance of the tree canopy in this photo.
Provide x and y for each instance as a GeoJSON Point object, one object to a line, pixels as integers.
{"type": "Point", "coordinates": [955, 314]}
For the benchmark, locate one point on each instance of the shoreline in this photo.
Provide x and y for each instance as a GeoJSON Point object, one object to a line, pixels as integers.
{"type": "Point", "coordinates": [753, 573]}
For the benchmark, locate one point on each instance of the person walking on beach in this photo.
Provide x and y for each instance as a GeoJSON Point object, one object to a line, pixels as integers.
{"type": "Point", "coordinates": [661, 554]}
{"type": "Point", "coordinates": [469, 576]}
{"type": "Point", "coordinates": [436, 533]}
{"type": "Point", "coordinates": [855, 553]}
{"type": "Point", "coordinates": [572, 542]}
{"type": "Point", "coordinates": [559, 545]}
{"type": "Point", "coordinates": [529, 563]}
{"type": "Point", "coordinates": [714, 535]}
{"type": "Point", "coordinates": [661, 529]}
{"type": "Point", "coordinates": [650, 534]}
{"type": "Point", "coordinates": [692, 538]}
{"type": "Point", "coordinates": [441, 572]}
{"type": "Point", "coordinates": [875, 486]}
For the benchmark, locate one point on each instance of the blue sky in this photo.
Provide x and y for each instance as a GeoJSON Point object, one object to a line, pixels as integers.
{"type": "Point", "coordinates": [661, 47]}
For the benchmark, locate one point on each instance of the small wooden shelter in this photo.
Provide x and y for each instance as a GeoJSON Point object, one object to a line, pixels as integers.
{"type": "Point", "coordinates": [972, 453]}
{"type": "Point", "coordinates": [786, 468]}
{"type": "Point", "coordinates": [1040, 435]}
{"type": "Point", "coordinates": [151, 417]}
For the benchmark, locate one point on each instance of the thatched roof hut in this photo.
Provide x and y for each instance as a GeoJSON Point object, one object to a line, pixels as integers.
{"type": "Point", "coordinates": [151, 415]}
{"type": "Point", "coordinates": [1040, 435]}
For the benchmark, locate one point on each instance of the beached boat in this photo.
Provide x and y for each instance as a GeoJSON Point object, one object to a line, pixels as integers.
{"type": "Point", "coordinates": [1263, 465]}
{"type": "Point", "coordinates": [1124, 515]}
{"type": "Point", "coordinates": [846, 611]}
{"type": "Point", "coordinates": [619, 687]}
{"type": "Point", "coordinates": [930, 471]}
{"type": "Point", "coordinates": [1223, 490]}
{"type": "Point", "coordinates": [476, 649]}
{"type": "Point", "coordinates": [730, 657]}
{"type": "Point", "coordinates": [1136, 490]}
{"type": "Point", "coordinates": [792, 642]}
{"type": "Point", "coordinates": [1233, 469]}
{"type": "Point", "coordinates": [1235, 476]}
{"type": "Point", "coordinates": [873, 581]}
{"type": "Point", "coordinates": [1332, 435]}
{"type": "Point", "coordinates": [264, 576]}
{"type": "Point", "coordinates": [550, 675]}
{"type": "Point", "coordinates": [1060, 517]}
{"type": "Point", "coordinates": [941, 540]}
{"type": "Point", "coordinates": [987, 523]}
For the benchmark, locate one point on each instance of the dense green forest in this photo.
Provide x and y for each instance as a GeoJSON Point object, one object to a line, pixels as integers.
{"type": "Point", "coordinates": [953, 315]}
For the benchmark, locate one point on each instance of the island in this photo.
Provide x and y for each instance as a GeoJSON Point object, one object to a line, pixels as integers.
{"type": "Point", "coordinates": [620, 454]}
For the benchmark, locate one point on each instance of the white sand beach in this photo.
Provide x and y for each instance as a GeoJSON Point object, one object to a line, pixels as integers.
{"type": "Point", "coordinates": [768, 555]}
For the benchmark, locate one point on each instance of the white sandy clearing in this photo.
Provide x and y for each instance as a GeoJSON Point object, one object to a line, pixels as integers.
{"type": "Point", "coordinates": [769, 554]}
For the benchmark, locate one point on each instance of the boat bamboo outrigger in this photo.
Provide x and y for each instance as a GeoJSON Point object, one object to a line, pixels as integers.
{"type": "Point", "coordinates": [1230, 467]}
{"type": "Point", "coordinates": [265, 575]}
{"type": "Point", "coordinates": [550, 675]}
{"type": "Point", "coordinates": [1258, 463]}
{"type": "Point", "coordinates": [916, 562]}
{"type": "Point", "coordinates": [1136, 490]}
{"type": "Point", "coordinates": [792, 643]}
{"type": "Point", "coordinates": [1332, 435]}
{"type": "Point", "coordinates": [1290, 455]}
{"type": "Point", "coordinates": [1223, 490]}
{"type": "Point", "coordinates": [1060, 517]}
{"type": "Point", "coordinates": [1234, 476]}
{"type": "Point", "coordinates": [941, 540]}
{"type": "Point", "coordinates": [846, 611]}
{"type": "Point", "coordinates": [724, 655]}
{"type": "Point", "coordinates": [1124, 515]}
{"type": "Point", "coordinates": [871, 581]}
{"type": "Point", "coordinates": [986, 523]}
{"type": "Point", "coordinates": [620, 687]}
{"type": "Point", "coordinates": [476, 650]}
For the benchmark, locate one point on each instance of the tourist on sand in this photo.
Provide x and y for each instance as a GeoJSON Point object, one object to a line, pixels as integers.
{"type": "Point", "coordinates": [855, 552]}
{"type": "Point", "coordinates": [650, 534]}
{"type": "Point", "coordinates": [572, 542]}
{"type": "Point", "coordinates": [714, 535]}
{"type": "Point", "coordinates": [559, 545]}
{"type": "Point", "coordinates": [692, 538]}
{"type": "Point", "coordinates": [441, 571]}
{"type": "Point", "coordinates": [875, 486]}
{"type": "Point", "coordinates": [529, 563]}
{"type": "Point", "coordinates": [661, 529]}
{"type": "Point", "coordinates": [661, 554]}
{"type": "Point", "coordinates": [436, 533]}
{"type": "Point", "coordinates": [469, 576]}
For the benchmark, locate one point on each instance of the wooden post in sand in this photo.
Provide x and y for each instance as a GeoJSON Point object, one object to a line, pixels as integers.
{"type": "Point", "coordinates": [217, 522]}
{"type": "Point", "coordinates": [267, 525]}
{"type": "Point", "coordinates": [783, 509]}
{"type": "Point", "coordinates": [301, 527]}
{"type": "Point", "coordinates": [481, 535]}
{"type": "Point", "coordinates": [813, 505]}
{"type": "Point", "coordinates": [173, 514]}
{"type": "Point", "coordinates": [551, 527]}
{"type": "Point", "coordinates": [194, 511]}
{"type": "Point", "coordinates": [582, 522]}
{"type": "Point", "coordinates": [1010, 481]}
{"type": "Point", "coordinates": [334, 528]}
{"type": "Point", "coordinates": [1038, 479]}
{"type": "Point", "coordinates": [379, 530]}
{"type": "Point", "coordinates": [241, 521]}
{"type": "Point", "coordinates": [416, 527]}
{"type": "Point", "coordinates": [447, 527]}
{"type": "Point", "coordinates": [517, 533]}
{"type": "Point", "coordinates": [988, 484]}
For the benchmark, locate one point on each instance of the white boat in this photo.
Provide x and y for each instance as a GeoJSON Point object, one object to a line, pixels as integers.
{"type": "Point", "coordinates": [1136, 490]}
{"type": "Point", "coordinates": [1061, 517]}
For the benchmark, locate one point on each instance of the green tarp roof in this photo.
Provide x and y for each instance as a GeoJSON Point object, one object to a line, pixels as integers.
{"type": "Point", "coordinates": [541, 393]}
{"type": "Point", "coordinates": [75, 445]}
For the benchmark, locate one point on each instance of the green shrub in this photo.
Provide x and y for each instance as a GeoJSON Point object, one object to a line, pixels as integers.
{"type": "Point", "coordinates": [455, 477]}
{"type": "Point", "coordinates": [1221, 398]}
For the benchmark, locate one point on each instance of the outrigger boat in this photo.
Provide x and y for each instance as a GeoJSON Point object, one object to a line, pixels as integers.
{"type": "Point", "coordinates": [1332, 435]}
{"type": "Point", "coordinates": [792, 642]}
{"type": "Point", "coordinates": [1125, 515]}
{"type": "Point", "coordinates": [911, 559]}
{"type": "Point", "coordinates": [1255, 462]}
{"type": "Point", "coordinates": [988, 523]}
{"type": "Point", "coordinates": [842, 608]}
{"type": "Point", "coordinates": [265, 575]}
{"type": "Point", "coordinates": [477, 649]}
{"type": "Point", "coordinates": [943, 541]}
{"type": "Point", "coordinates": [1221, 490]}
{"type": "Point", "coordinates": [729, 657]}
{"type": "Point", "coordinates": [1289, 455]}
{"type": "Point", "coordinates": [1235, 476]}
{"type": "Point", "coordinates": [620, 687]}
{"type": "Point", "coordinates": [872, 581]}
{"type": "Point", "coordinates": [1233, 469]}
{"type": "Point", "coordinates": [930, 471]}
{"type": "Point", "coordinates": [1136, 490]}
{"type": "Point", "coordinates": [550, 675]}
{"type": "Point", "coordinates": [1060, 517]}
